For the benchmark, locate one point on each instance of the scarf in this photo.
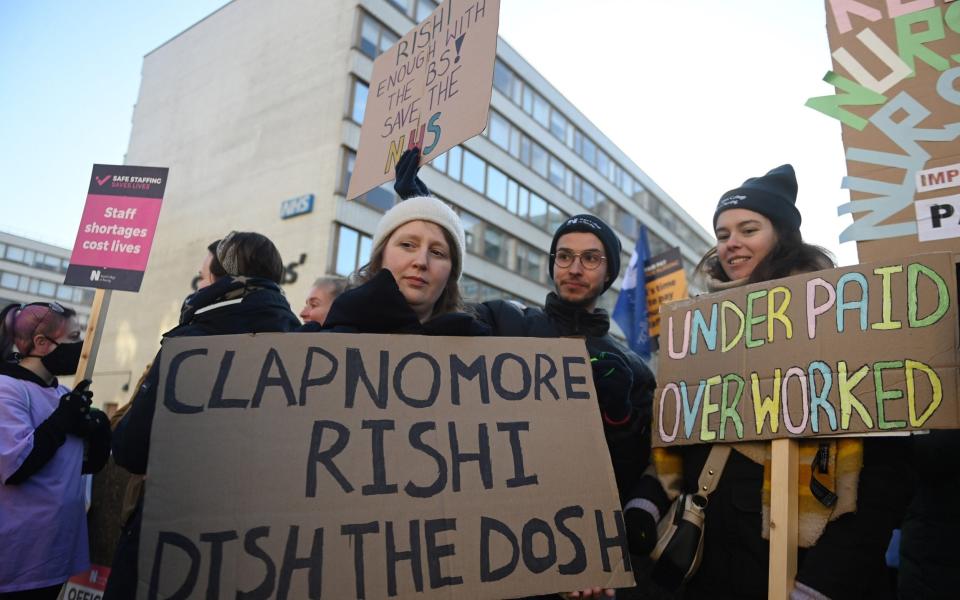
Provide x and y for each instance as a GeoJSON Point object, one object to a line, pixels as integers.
{"type": "Point", "coordinates": [222, 290]}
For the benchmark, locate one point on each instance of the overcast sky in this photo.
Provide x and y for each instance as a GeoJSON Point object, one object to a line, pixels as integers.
{"type": "Point", "coordinates": [700, 94]}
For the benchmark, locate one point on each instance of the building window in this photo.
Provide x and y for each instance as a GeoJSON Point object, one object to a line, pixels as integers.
{"type": "Point", "coordinates": [495, 246]}
{"type": "Point", "coordinates": [541, 111]}
{"type": "Point", "coordinates": [358, 101]}
{"type": "Point", "coordinates": [473, 232]}
{"type": "Point", "coordinates": [503, 79]}
{"type": "Point", "coordinates": [440, 163]}
{"type": "Point", "coordinates": [627, 223]}
{"type": "Point", "coordinates": [381, 198]}
{"type": "Point", "coordinates": [474, 291]}
{"type": "Point", "coordinates": [9, 281]}
{"type": "Point", "coordinates": [538, 211]}
{"type": "Point", "coordinates": [538, 159]}
{"type": "Point", "coordinates": [453, 163]}
{"type": "Point", "coordinates": [401, 5]}
{"type": "Point", "coordinates": [375, 38]}
{"type": "Point", "coordinates": [557, 172]}
{"type": "Point", "coordinates": [558, 125]}
{"type": "Point", "coordinates": [353, 250]}
{"type": "Point", "coordinates": [499, 131]}
{"type": "Point", "coordinates": [64, 293]}
{"type": "Point", "coordinates": [496, 185]}
{"type": "Point", "coordinates": [15, 254]}
{"type": "Point", "coordinates": [530, 262]}
{"type": "Point", "coordinates": [424, 8]}
{"type": "Point", "coordinates": [349, 158]}
{"type": "Point", "coordinates": [47, 288]}
{"type": "Point", "coordinates": [473, 171]}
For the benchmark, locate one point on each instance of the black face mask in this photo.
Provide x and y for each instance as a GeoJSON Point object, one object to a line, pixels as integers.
{"type": "Point", "coordinates": [64, 359]}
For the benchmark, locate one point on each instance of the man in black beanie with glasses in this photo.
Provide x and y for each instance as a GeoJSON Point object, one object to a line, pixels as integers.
{"type": "Point", "coordinates": [584, 262]}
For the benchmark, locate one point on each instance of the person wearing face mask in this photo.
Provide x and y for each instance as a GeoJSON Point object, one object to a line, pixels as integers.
{"type": "Point", "coordinates": [49, 437]}
{"type": "Point", "coordinates": [410, 284]}
{"type": "Point", "coordinates": [859, 494]}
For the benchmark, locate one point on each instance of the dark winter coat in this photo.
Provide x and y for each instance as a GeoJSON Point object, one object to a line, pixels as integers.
{"type": "Point", "coordinates": [629, 444]}
{"type": "Point", "coordinates": [229, 306]}
{"type": "Point", "coordinates": [847, 560]}
{"type": "Point", "coordinates": [929, 558]}
{"type": "Point", "coordinates": [378, 306]}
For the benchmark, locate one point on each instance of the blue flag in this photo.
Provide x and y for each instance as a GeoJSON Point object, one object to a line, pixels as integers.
{"type": "Point", "coordinates": [630, 313]}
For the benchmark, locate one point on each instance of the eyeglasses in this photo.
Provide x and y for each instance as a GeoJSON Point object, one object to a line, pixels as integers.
{"type": "Point", "coordinates": [590, 259]}
{"type": "Point", "coordinates": [54, 306]}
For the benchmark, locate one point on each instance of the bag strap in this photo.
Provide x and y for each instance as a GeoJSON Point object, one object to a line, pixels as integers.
{"type": "Point", "coordinates": [713, 469]}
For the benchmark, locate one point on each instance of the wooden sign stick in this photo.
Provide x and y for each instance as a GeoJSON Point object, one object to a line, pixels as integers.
{"type": "Point", "coordinates": [784, 504]}
{"type": "Point", "coordinates": [91, 340]}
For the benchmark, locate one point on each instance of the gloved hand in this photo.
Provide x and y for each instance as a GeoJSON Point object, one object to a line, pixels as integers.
{"type": "Point", "coordinates": [97, 423]}
{"type": "Point", "coordinates": [407, 184]}
{"type": "Point", "coordinates": [641, 530]}
{"type": "Point", "coordinates": [98, 441]}
{"type": "Point", "coordinates": [614, 379]}
{"type": "Point", "coordinates": [70, 416]}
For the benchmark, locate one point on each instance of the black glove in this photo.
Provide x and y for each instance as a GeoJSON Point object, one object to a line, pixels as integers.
{"type": "Point", "coordinates": [70, 416]}
{"type": "Point", "coordinates": [614, 379]}
{"type": "Point", "coordinates": [98, 441]}
{"type": "Point", "coordinates": [641, 531]}
{"type": "Point", "coordinates": [407, 184]}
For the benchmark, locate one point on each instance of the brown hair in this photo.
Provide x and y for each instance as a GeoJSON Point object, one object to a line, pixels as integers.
{"type": "Point", "coordinates": [790, 255]}
{"type": "Point", "coordinates": [449, 300]}
{"type": "Point", "coordinates": [249, 254]}
{"type": "Point", "coordinates": [216, 269]}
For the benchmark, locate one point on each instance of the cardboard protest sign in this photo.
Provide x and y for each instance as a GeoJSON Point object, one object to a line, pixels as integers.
{"type": "Point", "coordinates": [666, 282]}
{"type": "Point", "coordinates": [431, 89]}
{"type": "Point", "coordinates": [868, 348]}
{"type": "Point", "coordinates": [364, 466]}
{"type": "Point", "coordinates": [117, 227]}
{"type": "Point", "coordinates": [898, 99]}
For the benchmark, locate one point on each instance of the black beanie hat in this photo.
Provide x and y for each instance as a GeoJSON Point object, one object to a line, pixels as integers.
{"type": "Point", "coordinates": [774, 196]}
{"type": "Point", "coordinates": [592, 224]}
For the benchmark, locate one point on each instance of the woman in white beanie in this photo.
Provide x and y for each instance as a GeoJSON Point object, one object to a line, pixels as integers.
{"type": "Point", "coordinates": [410, 284]}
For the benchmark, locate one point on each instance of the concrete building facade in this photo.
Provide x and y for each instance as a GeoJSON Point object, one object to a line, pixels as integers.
{"type": "Point", "coordinates": [256, 110]}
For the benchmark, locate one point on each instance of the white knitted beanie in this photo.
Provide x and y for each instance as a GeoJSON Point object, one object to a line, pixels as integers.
{"type": "Point", "coordinates": [423, 208]}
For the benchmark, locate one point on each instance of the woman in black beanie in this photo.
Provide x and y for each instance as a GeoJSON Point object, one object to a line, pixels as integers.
{"type": "Point", "coordinates": [758, 234]}
{"type": "Point", "coordinates": [846, 514]}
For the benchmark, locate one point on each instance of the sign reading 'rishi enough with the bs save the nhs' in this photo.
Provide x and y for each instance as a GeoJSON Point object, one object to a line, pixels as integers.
{"type": "Point", "coordinates": [117, 227]}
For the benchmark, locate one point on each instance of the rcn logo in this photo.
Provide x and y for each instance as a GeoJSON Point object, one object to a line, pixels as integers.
{"type": "Point", "coordinates": [94, 275]}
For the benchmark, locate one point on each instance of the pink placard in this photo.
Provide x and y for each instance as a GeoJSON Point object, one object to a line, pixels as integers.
{"type": "Point", "coordinates": [116, 232]}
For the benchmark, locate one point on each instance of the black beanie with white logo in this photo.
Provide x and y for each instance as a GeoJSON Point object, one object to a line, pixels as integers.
{"type": "Point", "coordinates": [773, 195]}
{"type": "Point", "coordinates": [592, 224]}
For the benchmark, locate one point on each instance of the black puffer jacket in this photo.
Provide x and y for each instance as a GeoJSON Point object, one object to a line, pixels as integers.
{"type": "Point", "coordinates": [929, 559]}
{"type": "Point", "coordinates": [232, 305]}
{"type": "Point", "coordinates": [629, 444]}
{"type": "Point", "coordinates": [378, 306]}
